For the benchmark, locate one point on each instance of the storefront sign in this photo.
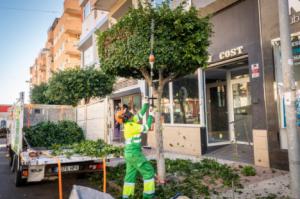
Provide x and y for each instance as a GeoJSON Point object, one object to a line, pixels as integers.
{"type": "Point", "coordinates": [255, 70]}
{"type": "Point", "coordinates": [296, 50]}
{"type": "Point", "coordinates": [231, 53]}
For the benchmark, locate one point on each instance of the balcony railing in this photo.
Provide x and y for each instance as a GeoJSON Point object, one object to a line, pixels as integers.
{"type": "Point", "coordinates": [103, 4]}
{"type": "Point", "coordinates": [72, 6]}
{"type": "Point", "coordinates": [91, 23]}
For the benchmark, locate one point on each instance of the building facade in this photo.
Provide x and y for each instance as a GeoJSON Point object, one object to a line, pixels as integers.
{"type": "Point", "coordinates": [66, 35]}
{"type": "Point", "coordinates": [237, 99]}
{"type": "Point", "coordinates": [60, 51]}
{"type": "Point", "coordinates": [96, 117]}
{"type": "Point", "coordinates": [38, 70]}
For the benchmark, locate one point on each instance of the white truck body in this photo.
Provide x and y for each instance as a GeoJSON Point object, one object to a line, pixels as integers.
{"type": "Point", "coordinates": [44, 165]}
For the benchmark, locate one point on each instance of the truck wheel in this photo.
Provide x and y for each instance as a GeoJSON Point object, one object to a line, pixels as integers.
{"type": "Point", "coordinates": [18, 174]}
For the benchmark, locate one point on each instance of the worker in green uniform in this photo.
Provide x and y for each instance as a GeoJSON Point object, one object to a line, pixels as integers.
{"type": "Point", "coordinates": [134, 157]}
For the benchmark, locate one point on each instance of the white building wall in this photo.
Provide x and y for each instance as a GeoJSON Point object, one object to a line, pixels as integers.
{"type": "Point", "coordinates": [92, 119]}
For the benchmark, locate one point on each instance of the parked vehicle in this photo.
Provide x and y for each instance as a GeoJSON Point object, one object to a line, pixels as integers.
{"type": "Point", "coordinates": [3, 132]}
{"type": "Point", "coordinates": [34, 164]}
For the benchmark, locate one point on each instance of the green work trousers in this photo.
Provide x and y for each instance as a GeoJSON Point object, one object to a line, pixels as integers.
{"type": "Point", "coordinates": [137, 162]}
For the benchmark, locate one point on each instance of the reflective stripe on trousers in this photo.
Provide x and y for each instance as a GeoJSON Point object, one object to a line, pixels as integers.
{"type": "Point", "coordinates": [149, 186]}
{"type": "Point", "coordinates": [128, 189]}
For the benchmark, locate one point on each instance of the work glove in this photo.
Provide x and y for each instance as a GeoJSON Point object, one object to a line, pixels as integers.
{"type": "Point", "coordinates": [151, 111]}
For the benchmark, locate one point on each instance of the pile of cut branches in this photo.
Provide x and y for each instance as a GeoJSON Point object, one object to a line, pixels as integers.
{"type": "Point", "coordinates": [195, 180]}
{"type": "Point", "coordinates": [88, 148]}
{"type": "Point", "coordinates": [46, 134]}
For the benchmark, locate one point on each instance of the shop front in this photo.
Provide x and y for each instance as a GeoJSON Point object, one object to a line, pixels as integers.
{"type": "Point", "coordinates": [222, 104]}
{"type": "Point", "coordinates": [129, 92]}
{"type": "Point", "coordinates": [271, 50]}
{"type": "Point", "coordinates": [228, 104]}
{"type": "Point", "coordinates": [233, 81]}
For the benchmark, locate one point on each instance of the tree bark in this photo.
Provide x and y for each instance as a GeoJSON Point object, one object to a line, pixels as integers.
{"type": "Point", "coordinates": [161, 170]}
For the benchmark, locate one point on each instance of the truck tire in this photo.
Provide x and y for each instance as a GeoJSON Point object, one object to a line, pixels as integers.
{"type": "Point", "coordinates": [19, 181]}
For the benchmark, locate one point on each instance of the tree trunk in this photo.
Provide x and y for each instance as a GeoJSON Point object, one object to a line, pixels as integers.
{"type": "Point", "coordinates": [182, 110]}
{"type": "Point", "coordinates": [161, 170]}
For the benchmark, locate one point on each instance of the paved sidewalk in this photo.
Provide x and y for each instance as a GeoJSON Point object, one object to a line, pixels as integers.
{"type": "Point", "coordinates": [277, 187]}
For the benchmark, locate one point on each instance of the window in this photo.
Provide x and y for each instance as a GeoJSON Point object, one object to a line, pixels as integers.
{"type": "Point", "coordinates": [37, 111]}
{"type": "Point", "coordinates": [86, 10]}
{"type": "Point", "coordinates": [166, 104]}
{"type": "Point", "coordinates": [180, 101]}
{"type": "Point", "coordinates": [133, 102]}
{"type": "Point", "coordinates": [88, 57]}
{"type": "Point", "coordinates": [3, 124]}
{"type": "Point", "coordinates": [186, 100]}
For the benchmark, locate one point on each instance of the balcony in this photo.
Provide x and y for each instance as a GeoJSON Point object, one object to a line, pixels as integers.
{"type": "Point", "coordinates": [97, 20]}
{"type": "Point", "coordinates": [72, 26]}
{"type": "Point", "coordinates": [70, 49]}
{"type": "Point", "coordinates": [207, 7]}
{"type": "Point", "coordinates": [105, 5]}
{"type": "Point", "coordinates": [82, 2]}
{"type": "Point", "coordinates": [121, 9]}
{"type": "Point", "coordinates": [72, 6]}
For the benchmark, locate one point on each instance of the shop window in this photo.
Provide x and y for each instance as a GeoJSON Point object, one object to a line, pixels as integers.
{"type": "Point", "coordinates": [279, 89]}
{"type": "Point", "coordinates": [186, 100]}
{"type": "Point", "coordinates": [133, 102]}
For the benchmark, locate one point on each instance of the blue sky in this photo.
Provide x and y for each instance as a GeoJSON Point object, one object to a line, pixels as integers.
{"type": "Point", "coordinates": [23, 33]}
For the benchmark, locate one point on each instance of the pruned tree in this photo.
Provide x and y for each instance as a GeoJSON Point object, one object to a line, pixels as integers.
{"type": "Point", "coordinates": [38, 94]}
{"type": "Point", "coordinates": [180, 47]}
{"type": "Point", "coordinates": [72, 85]}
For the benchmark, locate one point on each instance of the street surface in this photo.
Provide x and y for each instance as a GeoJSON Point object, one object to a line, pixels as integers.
{"type": "Point", "coordinates": [43, 190]}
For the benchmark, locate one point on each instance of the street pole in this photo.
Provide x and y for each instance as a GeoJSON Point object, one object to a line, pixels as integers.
{"type": "Point", "coordinates": [290, 97]}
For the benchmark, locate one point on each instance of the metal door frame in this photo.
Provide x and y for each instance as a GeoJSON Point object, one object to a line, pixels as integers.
{"type": "Point", "coordinates": [230, 109]}
{"type": "Point", "coordinates": [207, 92]}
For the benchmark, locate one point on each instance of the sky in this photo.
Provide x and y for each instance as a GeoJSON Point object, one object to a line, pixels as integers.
{"type": "Point", "coordinates": [23, 33]}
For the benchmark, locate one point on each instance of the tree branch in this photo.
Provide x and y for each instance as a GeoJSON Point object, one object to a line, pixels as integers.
{"type": "Point", "coordinates": [168, 79]}
{"type": "Point", "coordinates": [146, 76]}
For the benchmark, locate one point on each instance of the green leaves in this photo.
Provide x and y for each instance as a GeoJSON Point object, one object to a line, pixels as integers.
{"type": "Point", "coordinates": [89, 148]}
{"type": "Point", "coordinates": [72, 85]}
{"type": "Point", "coordinates": [192, 179]}
{"type": "Point", "coordinates": [180, 47]}
{"type": "Point", "coordinates": [248, 171]}
{"type": "Point", "coordinates": [38, 94]}
{"type": "Point", "coordinates": [46, 134]}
